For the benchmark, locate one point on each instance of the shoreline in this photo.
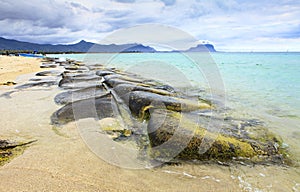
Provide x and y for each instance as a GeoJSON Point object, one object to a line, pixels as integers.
{"type": "Point", "coordinates": [62, 162]}
{"type": "Point", "coordinates": [49, 164]}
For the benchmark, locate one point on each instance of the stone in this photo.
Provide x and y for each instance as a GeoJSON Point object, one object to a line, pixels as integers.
{"type": "Point", "coordinates": [49, 73]}
{"type": "Point", "coordinates": [104, 73]}
{"type": "Point", "coordinates": [46, 83]}
{"type": "Point", "coordinates": [139, 101]}
{"type": "Point", "coordinates": [81, 94]}
{"type": "Point", "coordinates": [184, 138]}
{"type": "Point", "coordinates": [48, 65]}
{"type": "Point", "coordinates": [98, 108]}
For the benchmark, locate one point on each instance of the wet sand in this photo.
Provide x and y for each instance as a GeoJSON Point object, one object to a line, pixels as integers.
{"type": "Point", "coordinates": [61, 161]}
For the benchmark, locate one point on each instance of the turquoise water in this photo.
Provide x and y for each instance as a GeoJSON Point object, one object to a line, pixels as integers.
{"type": "Point", "coordinates": [269, 81]}
{"type": "Point", "coordinates": [265, 86]}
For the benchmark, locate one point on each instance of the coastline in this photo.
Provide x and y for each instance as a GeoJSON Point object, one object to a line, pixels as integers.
{"type": "Point", "coordinates": [63, 162]}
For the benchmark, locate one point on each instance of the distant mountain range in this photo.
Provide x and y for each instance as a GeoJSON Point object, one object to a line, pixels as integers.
{"type": "Point", "coordinates": [83, 47]}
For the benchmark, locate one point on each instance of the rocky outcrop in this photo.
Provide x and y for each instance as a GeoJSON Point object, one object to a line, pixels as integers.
{"type": "Point", "coordinates": [175, 122]}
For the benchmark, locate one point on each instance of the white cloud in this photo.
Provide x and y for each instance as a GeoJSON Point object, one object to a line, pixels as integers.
{"type": "Point", "coordinates": [231, 25]}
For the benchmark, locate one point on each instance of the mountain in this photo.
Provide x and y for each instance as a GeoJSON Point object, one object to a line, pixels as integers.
{"type": "Point", "coordinates": [202, 48]}
{"type": "Point", "coordinates": [82, 46]}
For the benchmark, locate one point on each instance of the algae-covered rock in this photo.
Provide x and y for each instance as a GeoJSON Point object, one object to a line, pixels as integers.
{"type": "Point", "coordinates": [9, 83]}
{"type": "Point", "coordinates": [9, 150]}
{"type": "Point", "coordinates": [189, 139]}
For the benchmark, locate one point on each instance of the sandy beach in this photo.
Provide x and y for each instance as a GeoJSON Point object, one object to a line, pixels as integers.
{"type": "Point", "coordinates": [61, 161]}
{"type": "Point", "coordinates": [11, 67]}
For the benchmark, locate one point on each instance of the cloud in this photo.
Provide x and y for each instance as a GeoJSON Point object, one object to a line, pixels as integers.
{"type": "Point", "coordinates": [231, 24]}
{"type": "Point", "coordinates": [169, 2]}
{"type": "Point", "coordinates": [124, 1]}
{"type": "Point", "coordinates": [117, 13]}
{"type": "Point", "coordinates": [78, 5]}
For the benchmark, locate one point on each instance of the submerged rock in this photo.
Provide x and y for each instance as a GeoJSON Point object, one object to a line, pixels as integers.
{"type": "Point", "coordinates": [114, 128]}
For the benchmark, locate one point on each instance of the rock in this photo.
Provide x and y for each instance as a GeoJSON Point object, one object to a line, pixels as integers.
{"type": "Point", "coordinates": [76, 67]}
{"type": "Point", "coordinates": [124, 90]}
{"type": "Point", "coordinates": [79, 82]}
{"type": "Point", "coordinates": [76, 74]}
{"type": "Point", "coordinates": [166, 88]}
{"type": "Point", "coordinates": [115, 82]}
{"type": "Point", "coordinates": [46, 83]}
{"type": "Point", "coordinates": [48, 65]}
{"type": "Point", "coordinates": [78, 63]}
{"type": "Point", "coordinates": [84, 109]}
{"type": "Point", "coordinates": [184, 137]}
{"type": "Point", "coordinates": [48, 59]}
{"type": "Point", "coordinates": [8, 83]}
{"type": "Point", "coordinates": [104, 73]}
{"type": "Point", "coordinates": [9, 150]}
{"type": "Point", "coordinates": [81, 94]}
{"type": "Point", "coordinates": [49, 73]}
{"type": "Point", "coordinates": [132, 79]}
{"type": "Point", "coordinates": [140, 101]}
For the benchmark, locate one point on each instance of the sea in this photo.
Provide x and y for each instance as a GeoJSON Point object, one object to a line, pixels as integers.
{"type": "Point", "coordinates": [264, 86]}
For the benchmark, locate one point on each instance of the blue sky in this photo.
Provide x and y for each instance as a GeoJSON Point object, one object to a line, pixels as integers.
{"type": "Point", "coordinates": [231, 25]}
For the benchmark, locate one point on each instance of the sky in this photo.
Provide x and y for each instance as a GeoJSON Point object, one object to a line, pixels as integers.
{"type": "Point", "coordinates": [230, 25]}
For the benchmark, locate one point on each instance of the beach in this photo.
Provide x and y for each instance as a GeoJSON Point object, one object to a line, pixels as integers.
{"type": "Point", "coordinates": [11, 67]}
{"type": "Point", "coordinates": [60, 160]}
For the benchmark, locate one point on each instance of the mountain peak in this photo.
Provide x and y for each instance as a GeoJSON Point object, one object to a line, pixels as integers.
{"type": "Point", "coordinates": [83, 42]}
{"type": "Point", "coordinates": [202, 48]}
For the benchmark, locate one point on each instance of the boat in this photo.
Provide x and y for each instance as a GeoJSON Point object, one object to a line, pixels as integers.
{"type": "Point", "coordinates": [31, 55]}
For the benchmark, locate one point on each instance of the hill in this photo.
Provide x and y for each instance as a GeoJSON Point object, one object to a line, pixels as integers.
{"type": "Point", "coordinates": [202, 48]}
{"type": "Point", "coordinates": [80, 47]}
{"type": "Point", "coordinates": [84, 47]}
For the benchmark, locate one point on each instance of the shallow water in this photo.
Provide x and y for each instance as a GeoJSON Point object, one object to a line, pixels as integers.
{"type": "Point", "coordinates": [263, 86]}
